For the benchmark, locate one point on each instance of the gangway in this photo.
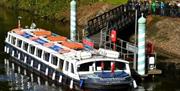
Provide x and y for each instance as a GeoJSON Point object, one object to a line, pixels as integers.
{"type": "Point", "coordinates": [127, 50]}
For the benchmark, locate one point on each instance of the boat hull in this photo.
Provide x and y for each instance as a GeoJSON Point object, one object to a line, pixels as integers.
{"type": "Point", "coordinates": [66, 80]}
{"type": "Point", "coordinates": [108, 85]}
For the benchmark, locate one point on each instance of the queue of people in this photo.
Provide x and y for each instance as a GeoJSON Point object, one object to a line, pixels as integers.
{"type": "Point", "coordinates": [156, 7]}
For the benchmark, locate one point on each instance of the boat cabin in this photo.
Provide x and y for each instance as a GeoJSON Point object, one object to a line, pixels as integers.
{"type": "Point", "coordinates": [62, 54]}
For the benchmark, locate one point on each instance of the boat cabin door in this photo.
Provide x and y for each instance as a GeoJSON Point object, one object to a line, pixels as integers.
{"type": "Point", "coordinates": [69, 69]}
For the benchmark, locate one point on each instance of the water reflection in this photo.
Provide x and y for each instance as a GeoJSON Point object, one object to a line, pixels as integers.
{"type": "Point", "coordinates": [20, 78]}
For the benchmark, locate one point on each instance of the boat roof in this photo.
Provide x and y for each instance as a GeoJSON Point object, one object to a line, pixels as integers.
{"type": "Point", "coordinates": [60, 46]}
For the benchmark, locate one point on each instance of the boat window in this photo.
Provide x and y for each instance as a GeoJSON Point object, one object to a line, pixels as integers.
{"type": "Point", "coordinates": [54, 60]}
{"type": "Point", "coordinates": [9, 38]}
{"type": "Point", "coordinates": [25, 46]}
{"type": "Point", "coordinates": [120, 66]}
{"type": "Point", "coordinates": [46, 56]}
{"type": "Point", "coordinates": [67, 66]}
{"type": "Point", "coordinates": [98, 65]}
{"type": "Point", "coordinates": [72, 68]}
{"type": "Point", "coordinates": [107, 65]}
{"type": "Point", "coordinates": [13, 40]}
{"type": "Point", "coordinates": [35, 64]}
{"type": "Point", "coordinates": [85, 66]}
{"type": "Point", "coordinates": [39, 52]}
{"type": "Point", "coordinates": [19, 43]}
{"type": "Point", "coordinates": [22, 56]}
{"type": "Point", "coordinates": [32, 49]}
{"type": "Point", "coordinates": [61, 62]}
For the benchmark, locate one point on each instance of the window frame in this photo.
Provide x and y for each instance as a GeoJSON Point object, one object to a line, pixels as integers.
{"type": "Point", "coordinates": [13, 40]}
{"type": "Point", "coordinates": [52, 60]}
{"type": "Point", "coordinates": [66, 66]}
{"type": "Point", "coordinates": [30, 49]}
{"type": "Point", "coordinates": [37, 52]}
{"type": "Point", "coordinates": [72, 68]}
{"type": "Point", "coordinates": [19, 43]}
{"type": "Point", "coordinates": [25, 46]}
{"type": "Point", "coordinates": [61, 63]}
{"type": "Point", "coordinates": [46, 56]}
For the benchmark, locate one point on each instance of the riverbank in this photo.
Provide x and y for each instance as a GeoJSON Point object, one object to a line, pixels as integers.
{"type": "Point", "coordinates": [58, 10]}
{"type": "Point", "coordinates": [164, 33]}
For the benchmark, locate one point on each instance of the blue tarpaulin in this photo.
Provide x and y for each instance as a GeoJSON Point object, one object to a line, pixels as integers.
{"type": "Point", "coordinates": [26, 35]}
{"type": "Point", "coordinates": [55, 47]}
{"type": "Point", "coordinates": [40, 41]}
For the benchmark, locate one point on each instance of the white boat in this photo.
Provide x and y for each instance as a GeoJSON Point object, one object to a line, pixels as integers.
{"type": "Point", "coordinates": [68, 62]}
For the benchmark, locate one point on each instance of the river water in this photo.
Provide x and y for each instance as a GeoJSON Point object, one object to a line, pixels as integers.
{"type": "Point", "coordinates": [14, 77]}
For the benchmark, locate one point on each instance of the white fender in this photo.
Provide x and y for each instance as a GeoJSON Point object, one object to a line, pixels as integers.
{"type": "Point", "coordinates": [25, 72]}
{"type": "Point", "coordinates": [32, 63]}
{"type": "Point", "coordinates": [13, 53]}
{"type": "Point", "coordinates": [39, 66]}
{"type": "Point", "coordinates": [46, 71]}
{"type": "Point", "coordinates": [134, 84]}
{"type": "Point", "coordinates": [5, 49]}
{"type": "Point", "coordinates": [25, 59]}
{"type": "Point", "coordinates": [32, 79]}
{"type": "Point", "coordinates": [71, 84]}
{"type": "Point", "coordinates": [60, 78]}
{"type": "Point", "coordinates": [13, 66]}
{"type": "Point", "coordinates": [19, 69]}
{"type": "Point", "coordinates": [19, 55]}
{"type": "Point", "coordinates": [54, 74]}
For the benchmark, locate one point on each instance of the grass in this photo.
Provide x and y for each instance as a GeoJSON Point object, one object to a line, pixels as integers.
{"type": "Point", "coordinates": [152, 29]}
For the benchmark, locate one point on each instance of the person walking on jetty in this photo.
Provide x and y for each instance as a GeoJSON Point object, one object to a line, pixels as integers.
{"type": "Point", "coordinates": [162, 6]}
{"type": "Point", "coordinates": [153, 7]}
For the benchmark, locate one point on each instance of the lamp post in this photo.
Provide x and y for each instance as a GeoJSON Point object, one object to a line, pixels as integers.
{"type": "Point", "coordinates": [73, 21]}
{"type": "Point", "coordinates": [141, 45]}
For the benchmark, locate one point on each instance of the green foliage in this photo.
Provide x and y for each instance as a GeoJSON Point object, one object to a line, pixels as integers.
{"type": "Point", "coordinates": [51, 8]}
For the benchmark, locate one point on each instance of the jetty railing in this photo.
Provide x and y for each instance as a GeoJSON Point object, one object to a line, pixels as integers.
{"type": "Point", "coordinates": [122, 15]}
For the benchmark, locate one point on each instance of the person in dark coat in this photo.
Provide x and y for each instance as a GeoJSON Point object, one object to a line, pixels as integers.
{"type": "Point", "coordinates": [162, 6]}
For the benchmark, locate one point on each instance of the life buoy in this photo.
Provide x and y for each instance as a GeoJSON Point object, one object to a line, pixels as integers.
{"type": "Point", "coordinates": [113, 35]}
{"type": "Point", "coordinates": [112, 67]}
{"type": "Point", "coordinates": [150, 48]}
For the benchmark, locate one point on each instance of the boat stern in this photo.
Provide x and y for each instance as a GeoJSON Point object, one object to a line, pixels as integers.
{"type": "Point", "coordinates": [107, 80]}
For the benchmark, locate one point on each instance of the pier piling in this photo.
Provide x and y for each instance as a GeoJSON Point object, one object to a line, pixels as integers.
{"type": "Point", "coordinates": [141, 45]}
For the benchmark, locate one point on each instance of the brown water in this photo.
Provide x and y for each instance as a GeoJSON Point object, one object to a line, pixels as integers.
{"type": "Point", "coordinates": [10, 79]}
